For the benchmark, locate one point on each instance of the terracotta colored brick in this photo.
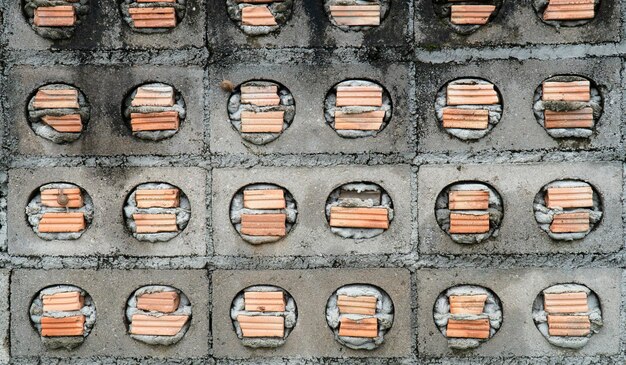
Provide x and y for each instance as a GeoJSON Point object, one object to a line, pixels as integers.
{"type": "Point", "coordinates": [56, 99]}
{"type": "Point", "coordinates": [353, 15]}
{"type": "Point", "coordinates": [467, 304]}
{"type": "Point", "coordinates": [164, 302]}
{"type": "Point", "coordinates": [258, 1]}
{"type": "Point", "coordinates": [155, 223]}
{"type": "Point", "coordinates": [476, 328]}
{"type": "Point", "coordinates": [257, 16]}
{"type": "Point", "coordinates": [565, 302]}
{"type": "Point", "coordinates": [575, 197]}
{"type": "Point", "coordinates": [465, 118]}
{"type": "Point", "coordinates": [367, 121]}
{"type": "Point", "coordinates": [58, 327]}
{"type": "Point", "coordinates": [348, 217]}
{"type": "Point", "coordinates": [154, 95]}
{"type": "Point", "coordinates": [582, 118]}
{"type": "Point", "coordinates": [364, 328]}
{"type": "Point", "coordinates": [266, 301]}
{"type": "Point", "coordinates": [157, 198]}
{"type": "Point", "coordinates": [160, 1]}
{"type": "Point", "coordinates": [153, 17]}
{"type": "Point", "coordinates": [70, 123]}
{"type": "Point", "coordinates": [357, 305]}
{"type": "Point", "coordinates": [157, 326]}
{"type": "Point", "coordinates": [63, 302]}
{"type": "Point", "coordinates": [366, 95]}
{"type": "Point", "coordinates": [55, 16]}
{"type": "Point", "coordinates": [468, 200]}
{"type": "Point", "coordinates": [260, 95]}
{"type": "Point", "coordinates": [264, 224]}
{"type": "Point", "coordinates": [477, 94]}
{"type": "Point", "coordinates": [61, 222]}
{"type": "Point", "coordinates": [264, 199]}
{"type": "Point", "coordinates": [262, 326]}
{"type": "Point", "coordinates": [570, 222]}
{"type": "Point", "coordinates": [160, 121]}
{"type": "Point", "coordinates": [262, 122]}
{"type": "Point", "coordinates": [569, 10]}
{"type": "Point", "coordinates": [566, 91]}
{"type": "Point", "coordinates": [469, 223]}
{"type": "Point", "coordinates": [471, 14]}
{"type": "Point", "coordinates": [574, 326]}
{"type": "Point", "coordinates": [53, 198]}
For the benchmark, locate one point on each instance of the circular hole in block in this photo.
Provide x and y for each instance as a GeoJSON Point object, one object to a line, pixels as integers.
{"type": "Point", "coordinates": [60, 211]}
{"type": "Point", "coordinates": [356, 15]}
{"type": "Point", "coordinates": [63, 315]}
{"type": "Point", "coordinates": [55, 20]}
{"type": "Point", "coordinates": [466, 17]}
{"type": "Point", "coordinates": [566, 13]}
{"type": "Point", "coordinates": [263, 316]}
{"type": "Point", "coordinates": [259, 17]}
{"type": "Point", "coordinates": [153, 16]}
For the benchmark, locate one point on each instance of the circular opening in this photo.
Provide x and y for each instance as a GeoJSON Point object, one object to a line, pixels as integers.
{"type": "Point", "coordinates": [469, 211]}
{"type": "Point", "coordinates": [356, 15]}
{"type": "Point", "coordinates": [156, 212]}
{"type": "Point", "coordinates": [154, 16]}
{"type": "Point", "coordinates": [358, 108]}
{"type": "Point", "coordinates": [59, 211]}
{"type": "Point", "coordinates": [467, 315]}
{"type": "Point", "coordinates": [56, 24]}
{"type": "Point", "coordinates": [567, 315]}
{"type": "Point", "coordinates": [158, 315]}
{"type": "Point", "coordinates": [263, 316]}
{"type": "Point", "coordinates": [568, 210]}
{"type": "Point", "coordinates": [263, 213]}
{"type": "Point", "coordinates": [58, 112]}
{"type": "Point", "coordinates": [360, 315]}
{"type": "Point", "coordinates": [572, 113]}
{"type": "Point", "coordinates": [261, 110]}
{"type": "Point", "coordinates": [63, 315]}
{"type": "Point", "coordinates": [262, 18]}
{"type": "Point", "coordinates": [556, 16]}
{"type": "Point", "coordinates": [468, 108]}
{"type": "Point", "coordinates": [154, 111]}
{"type": "Point", "coordinates": [466, 17]}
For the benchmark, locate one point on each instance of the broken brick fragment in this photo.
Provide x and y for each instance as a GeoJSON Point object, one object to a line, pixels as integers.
{"type": "Point", "coordinates": [264, 199]}
{"type": "Point", "coordinates": [62, 222]}
{"type": "Point", "coordinates": [157, 198]}
{"type": "Point", "coordinates": [70, 123]}
{"type": "Point", "coordinates": [264, 301]}
{"type": "Point", "coordinates": [469, 223]}
{"type": "Point", "coordinates": [61, 327]}
{"type": "Point", "coordinates": [154, 95]}
{"type": "Point", "coordinates": [63, 302]}
{"type": "Point", "coordinates": [565, 302]}
{"type": "Point", "coordinates": [570, 222]}
{"type": "Point", "coordinates": [570, 326]}
{"type": "Point", "coordinates": [62, 198]}
{"type": "Point", "coordinates": [469, 328]}
{"type": "Point", "coordinates": [164, 302]}
{"type": "Point", "coordinates": [359, 95]}
{"type": "Point", "coordinates": [366, 121]}
{"type": "Point", "coordinates": [257, 16]}
{"type": "Point", "coordinates": [471, 14]}
{"type": "Point", "coordinates": [352, 217]}
{"type": "Point", "coordinates": [581, 118]}
{"type": "Point", "coordinates": [465, 118]}
{"type": "Point", "coordinates": [569, 10]}
{"type": "Point", "coordinates": [56, 99]}
{"type": "Point", "coordinates": [159, 17]}
{"type": "Point", "coordinates": [159, 121]}
{"type": "Point", "coordinates": [468, 200]}
{"type": "Point", "coordinates": [365, 305]}
{"type": "Point", "coordinates": [262, 122]}
{"type": "Point", "coordinates": [364, 328]}
{"type": "Point", "coordinates": [155, 223]}
{"type": "Point", "coordinates": [262, 326]}
{"type": "Point", "coordinates": [55, 16]}
{"type": "Point", "coordinates": [264, 224]}
{"type": "Point", "coordinates": [356, 15]}
{"type": "Point", "coordinates": [472, 94]}
{"type": "Point", "coordinates": [569, 197]}
{"type": "Point", "coordinates": [168, 325]}
{"type": "Point", "coordinates": [467, 304]}
{"type": "Point", "coordinates": [260, 95]}
{"type": "Point", "coordinates": [567, 91]}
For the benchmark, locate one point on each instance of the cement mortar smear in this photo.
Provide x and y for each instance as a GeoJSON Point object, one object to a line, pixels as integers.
{"type": "Point", "coordinates": [330, 109]}
{"type": "Point", "coordinates": [182, 213]}
{"type": "Point", "coordinates": [280, 9]}
{"type": "Point", "coordinates": [236, 107]}
{"type": "Point", "coordinates": [290, 316]}
{"type": "Point", "coordinates": [443, 9]}
{"type": "Point", "coordinates": [81, 9]}
{"type": "Point", "coordinates": [184, 309]}
{"type": "Point", "coordinates": [491, 311]}
{"type": "Point", "coordinates": [541, 5]}
{"type": "Point", "coordinates": [44, 130]}
{"type": "Point", "coordinates": [595, 103]}
{"type": "Point", "coordinates": [67, 342]}
{"type": "Point", "coordinates": [179, 6]}
{"type": "Point", "coordinates": [384, 315]}
{"type": "Point", "coordinates": [540, 316]}
{"type": "Point", "coordinates": [384, 9]}
{"type": "Point", "coordinates": [35, 211]}
{"type": "Point", "coordinates": [495, 110]}
{"type": "Point", "coordinates": [545, 215]}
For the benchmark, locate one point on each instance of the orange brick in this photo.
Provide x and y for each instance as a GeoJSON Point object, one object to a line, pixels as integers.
{"type": "Point", "coordinates": [157, 326]}
{"type": "Point", "coordinates": [570, 222]}
{"type": "Point", "coordinates": [153, 17]}
{"type": "Point", "coordinates": [569, 10]}
{"type": "Point", "coordinates": [155, 223]}
{"type": "Point", "coordinates": [157, 198]}
{"type": "Point", "coordinates": [70, 123]}
{"type": "Point", "coordinates": [257, 16]}
{"type": "Point", "coordinates": [366, 121]}
{"type": "Point", "coordinates": [356, 15]}
{"type": "Point", "coordinates": [357, 305]}
{"type": "Point", "coordinates": [258, 1]}
{"type": "Point", "coordinates": [55, 16]}
{"type": "Point", "coordinates": [469, 223]}
{"type": "Point", "coordinates": [566, 91]}
{"type": "Point", "coordinates": [60, 327]}
{"type": "Point", "coordinates": [366, 95]}
{"type": "Point", "coordinates": [154, 95]}
{"type": "Point", "coordinates": [468, 200]}
{"type": "Point", "coordinates": [164, 302]}
{"type": "Point", "coordinates": [63, 302]}
{"type": "Point", "coordinates": [264, 199]}
{"type": "Point", "coordinates": [465, 118]}
{"type": "Point", "coordinates": [475, 94]}
{"type": "Point", "coordinates": [574, 326]}
{"type": "Point", "coordinates": [582, 118]}
{"type": "Point", "coordinates": [565, 302]}
{"type": "Point", "coordinates": [476, 328]}
{"type": "Point", "coordinates": [61, 222]}
{"type": "Point", "coordinates": [50, 198]}
{"type": "Point", "coordinates": [364, 328]}
{"type": "Point", "coordinates": [471, 14]}
{"type": "Point", "coordinates": [159, 121]}
{"type": "Point", "coordinates": [260, 95]}
{"type": "Point", "coordinates": [467, 304]}
{"type": "Point", "coordinates": [264, 224]}
{"type": "Point", "coordinates": [266, 301]}
{"type": "Point", "coordinates": [56, 99]}
{"type": "Point", "coordinates": [262, 122]}
{"type": "Point", "coordinates": [347, 217]}
{"type": "Point", "coordinates": [262, 326]}
{"type": "Point", "coordinates": [574, 197]}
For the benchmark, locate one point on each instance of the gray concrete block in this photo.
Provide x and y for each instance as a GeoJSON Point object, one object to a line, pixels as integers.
{"type": "Point", "coordinates": [4, 316]}
{"type": "Point", "coordinates": [516, 24]}
{"type": "Point", "coordinates": [311, 235]}
{"type": "Point", "coordinates": [309, 132]}
{"type": "Point", "coordinates": [517, 289]}
{"type": "Point", "coordinates": [108, 188]}
{"type": "Point", "coordinates": [311, 337]}
{"type": "Point", "coordinates": [517, 81]}
{"type": "Point", "coordinates": [518, 185]}
{"type": "Point", "coordinates": [107, 133]}
{"type": "Point", "coordinates": [110, 289]}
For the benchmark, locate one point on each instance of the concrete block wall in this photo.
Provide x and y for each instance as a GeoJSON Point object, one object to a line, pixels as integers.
{"type": "Point", "coordinates": [412, 54]}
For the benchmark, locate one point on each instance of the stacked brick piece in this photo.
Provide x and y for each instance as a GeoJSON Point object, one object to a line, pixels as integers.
{"type": "Point", "coordinates": [352, 96]}
{"type": "Point", "coordinates": [564, 317]}
{"type": "Point", "coordinates": [567, 10]}
{"type": "Point", "coordinates": [570, 93]}
{"type": "Point", "coordinates": [270, 303]}
{"type": "Point", "coordinates": [359, 209]}
{"type": "Point", "coordinates": [263, 218]}
{"type": "Point", "coordinates": [163, 116]}
{"type": "Point", "coordinates": [570, 203]}
{"type": "Point", "coordinates": [59, 107]}
{"type": "Point", "coordinates": [470, 14]}
{"type": "Point", "coordinates": [356, 14]}
{"type": "Point", "coordinates": [158, 311]}
{"type": "Point", "coordinates": [469, 211]}
{"type": "Point", "coordinates": [55, 322]}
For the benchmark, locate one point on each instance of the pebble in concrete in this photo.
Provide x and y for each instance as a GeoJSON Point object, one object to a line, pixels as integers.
{"type": "Point", "coordinates": [356, 15]}
{"type": "Point", "coordinates": [153, 16]}
{"type": "Point", "coordinates": [570, 14]}
{"type": "Point", "coordinates": [488, 9]}
{"type": "Point", "coordinates": [55, 19]}
{"type": "Point", "coordinates": [270, 15]}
